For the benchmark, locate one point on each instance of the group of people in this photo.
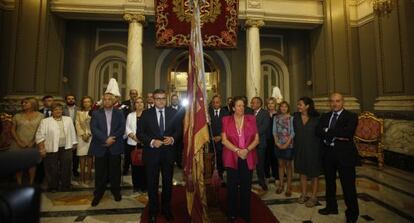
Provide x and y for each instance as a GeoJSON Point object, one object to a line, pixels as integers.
{"type": "Point", "coordinates": [266, 138]}
{"type": "Point", "coordinates": [304, 142]}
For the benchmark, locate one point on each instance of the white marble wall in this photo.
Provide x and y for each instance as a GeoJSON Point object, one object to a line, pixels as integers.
{"type": "Point", "coordinates": [399, 136]}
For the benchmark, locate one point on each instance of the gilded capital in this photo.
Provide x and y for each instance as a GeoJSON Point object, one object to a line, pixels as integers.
{"type": "Point", "coordinates": [254, 23]}
{"type": "Point", "coordinates": [129, 17]}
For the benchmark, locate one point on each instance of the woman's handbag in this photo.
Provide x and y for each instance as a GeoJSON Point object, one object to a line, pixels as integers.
{"type": "Point", "coordinates": [136, 157]}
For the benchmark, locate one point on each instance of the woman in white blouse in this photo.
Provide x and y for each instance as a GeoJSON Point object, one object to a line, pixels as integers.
{"type": "Point", "coordinates": [56, 138]}
{"type": "Point", "coordinates": [83, 129]}
{"type": "Point", "coordinates": [138, 172]}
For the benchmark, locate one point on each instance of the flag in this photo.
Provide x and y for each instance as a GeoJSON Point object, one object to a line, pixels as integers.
{"type": "Point", "coordinates": [196, 133]}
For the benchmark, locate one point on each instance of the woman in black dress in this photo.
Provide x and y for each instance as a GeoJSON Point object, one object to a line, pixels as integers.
{"type": "Point", "coordinates": [308, 154]}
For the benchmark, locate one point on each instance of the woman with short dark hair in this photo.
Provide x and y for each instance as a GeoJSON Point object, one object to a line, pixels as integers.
{"type": "Point", "coordinates": [240, 139]}
{"type": "Point", "coordinates": [56, 137]}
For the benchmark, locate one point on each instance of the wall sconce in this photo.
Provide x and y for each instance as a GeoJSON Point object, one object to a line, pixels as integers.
{"type": "Point", "coordinates": [382, 7]}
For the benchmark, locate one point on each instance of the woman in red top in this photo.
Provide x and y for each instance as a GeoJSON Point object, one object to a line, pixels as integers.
{"type": "Point", "coordinates": [240, 138]}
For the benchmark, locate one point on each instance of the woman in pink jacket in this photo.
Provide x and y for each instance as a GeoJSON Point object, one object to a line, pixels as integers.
{"type": "Point", "coordinates": [240, 138]}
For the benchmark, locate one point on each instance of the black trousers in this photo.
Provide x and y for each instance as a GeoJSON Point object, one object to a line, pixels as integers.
{"type": "Point", "coordinates": [138, 174]}
{"type": "Point", "coordinates": [220, 167]}
{"type": "Point", "coordinates": [75, 163]}
{"type": "Point", "coordinates": [107, 168]}
{"type": "Point", "coordinates": [153, 170]}
{"type": "Point", "coordinates": [40, 173]}
{"type": "Point", "coordinates": [239, 184]}
{"type": "Point", "coordinates": [58, 169]}
{"type": "Point", "coordinates": [271, 163]}
{"type": "Point", "coordinates": [179, 153]}
{"type": "Point", "coordinates": [347, 178]}
{"type": "Point", "coordinates": [260, 166]}
{"type": "Point", "coordinates": [127, 158]}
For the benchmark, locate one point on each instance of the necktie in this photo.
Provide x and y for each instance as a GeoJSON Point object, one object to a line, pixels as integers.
{"type": "Point", "coordinates": [216, 114]}
{"type": "Point", "coordinates": [333, 121]}
{"type": "Point", "coordinates": [161, 123]}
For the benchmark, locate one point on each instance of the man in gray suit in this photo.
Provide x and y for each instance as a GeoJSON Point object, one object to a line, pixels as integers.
{"type": "Point", "coordinates": [70, 110]}
{"type": "Point", "coordinates": [262, 122]}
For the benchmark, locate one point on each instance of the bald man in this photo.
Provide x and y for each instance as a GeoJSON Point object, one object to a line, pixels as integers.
{"type": "Point", "coordinates": [336, 129]}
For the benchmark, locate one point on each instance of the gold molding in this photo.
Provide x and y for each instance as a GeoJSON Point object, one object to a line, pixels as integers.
{"type": "Point", "coordinates": [134, 17]}
{"type": "Point", "coordinates": [254, 23]}
{"type": "Point", "coordinates": [395, 103]}
{"type": "Point", "coordinates": [322, 103]}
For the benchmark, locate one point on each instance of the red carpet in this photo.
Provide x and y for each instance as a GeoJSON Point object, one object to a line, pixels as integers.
{"type": "Point", "coordinates": [260, 213]}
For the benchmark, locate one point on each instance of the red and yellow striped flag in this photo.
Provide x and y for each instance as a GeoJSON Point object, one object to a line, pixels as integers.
{"type": "Point", "coordinates": [196, 133]}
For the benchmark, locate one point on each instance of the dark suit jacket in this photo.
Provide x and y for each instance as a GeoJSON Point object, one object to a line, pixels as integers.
{"type": "Point", "coordinates": [99, 132]}
{"type": "Point", "coordinates": [262, 123]}
{"type": "Point", "coordinates": [148, 130]}
{"type": "Point", "coordinates": [180, 113]}
{"type": "Point", "coordinates": [129, 108]}
{"type": "Point", "coordinates": [216, 125]}
{"type": "Point", "coordinates": [43, 112]}
{"type": "Point", "coordinates": [345, 126]}
{"type": "Point", "coordinates": [66, 113]}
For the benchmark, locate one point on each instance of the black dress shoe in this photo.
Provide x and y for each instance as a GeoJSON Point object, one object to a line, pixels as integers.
{"type": "Point", "coordinates": [350, 221]}
{"type": "Point", "coordinates": [152, 219]}
{"type": "Point", "coordinates": [168, 215]}
{"type": "Point", "coordinates": [232, 218]}
{"type": "Point", "coordinates": [117, 197]}
{"type": "Point", "coordinates": [264, 187]}
{"type": "Point", "coordinates": [95, 202]}
{"type": "Point", "coordinates": [326, 211]}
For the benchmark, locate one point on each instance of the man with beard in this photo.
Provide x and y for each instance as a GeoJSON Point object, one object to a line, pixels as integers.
{"type": "Point", "coordinates": [70, 110]}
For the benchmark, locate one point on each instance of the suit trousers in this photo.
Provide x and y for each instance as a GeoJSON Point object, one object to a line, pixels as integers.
{"type": "Point", "coordinates": [75, 163]}
{"type": "Point", "coordinates": [107, 168]}
{"type": "Point", "coordinates": [58, 167]}
{"type": "Point", "coordinates": [239, 184]}
{"type": "Point", "coordinates": [153, 170]}
{"type": "Point", "coordinates": [219, 151]}
{"type": "Point", "coordinates": [347, 176]}
{"type": "Point", "coordinates": [260, 166]}
{"type": "Point", "coordinates": [127, 157]}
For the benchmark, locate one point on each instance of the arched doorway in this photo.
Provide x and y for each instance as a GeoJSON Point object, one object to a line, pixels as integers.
{"type": "Point", "coordinates": [178, 73]}
{"type": "Point", "coordinates": [274, 74]}
{"type": "Point", "coordinates": [106, 65]}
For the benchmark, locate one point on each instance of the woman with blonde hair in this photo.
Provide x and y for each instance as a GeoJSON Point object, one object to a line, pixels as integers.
{"type": "Point", "coordinates": [24, 129]}
{"type": "Point", "coordinates": [83, 131]}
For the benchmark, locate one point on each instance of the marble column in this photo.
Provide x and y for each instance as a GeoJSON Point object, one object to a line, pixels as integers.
{"type": "Point", "coordinates": [253, 69]}
{"type": "Point", "coordinates": [134, 77]}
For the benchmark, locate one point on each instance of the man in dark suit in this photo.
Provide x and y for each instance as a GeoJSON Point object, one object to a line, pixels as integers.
{"type": "Point", "coordinates": [158, 130]}
{"type": "Point", "coordinates": [128, 106]}
{"type": "Point", "coordinates": [70, 110]}
{"type": "Point", "coordinates": [262, 122]}
{"type": "Point", "coordinates": [149, 101]}
{"type": "Point", "coordinates": [107, 145]}
{"type": "Point", "coordinates": [337, 129]}
{"type": "Point", "coordinates": [47, 112]}
{"type": "Point", "coordinates": [179, 146]}
{"type": "Point", "coordinates": [217, 113]}
{"type": "Point", "coordinates": [47, 103]}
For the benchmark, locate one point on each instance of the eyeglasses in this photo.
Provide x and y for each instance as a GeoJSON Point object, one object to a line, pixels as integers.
{"type": "Point", "coordinates": [160, 98]}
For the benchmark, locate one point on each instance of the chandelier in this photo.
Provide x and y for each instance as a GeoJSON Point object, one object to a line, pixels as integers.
{"type": "Point", "coordinates": [382, 7]}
